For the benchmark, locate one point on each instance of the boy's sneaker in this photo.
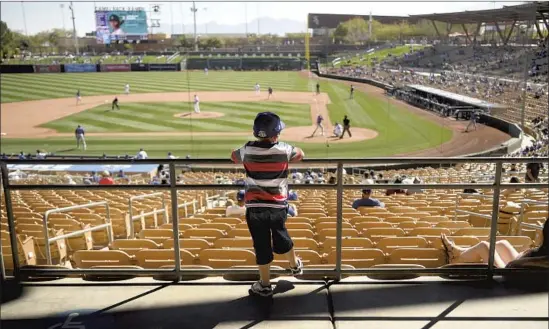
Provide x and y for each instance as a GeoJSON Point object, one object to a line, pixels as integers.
{"type": "Point", "coordinates": [261, 290]}
{"type": "Point", "coordinates": [299, 269]}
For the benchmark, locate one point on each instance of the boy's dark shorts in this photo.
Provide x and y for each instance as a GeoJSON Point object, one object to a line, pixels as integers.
{"type": "Point", "coordinates": [264, 224]}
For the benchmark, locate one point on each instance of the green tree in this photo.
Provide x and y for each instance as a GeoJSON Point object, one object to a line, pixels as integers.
{"type": "Point", "coordinates": [340, 33]}
{"type": "Point", "coordinates": [212, 43]}
{"type": "Point", "coordinates": [357, 30]}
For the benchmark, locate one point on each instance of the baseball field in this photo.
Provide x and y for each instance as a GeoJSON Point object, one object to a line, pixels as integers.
{"type": "Point", "coordinates": [39, 111]}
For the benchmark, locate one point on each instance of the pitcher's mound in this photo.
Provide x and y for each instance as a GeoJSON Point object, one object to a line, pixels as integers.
{"type": "Point", "coordinates": [201, 115]}
{"type": "Point", "coordinates": [303, 134]}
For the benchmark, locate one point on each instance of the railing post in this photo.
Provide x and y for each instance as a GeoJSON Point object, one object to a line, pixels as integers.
{"type": "Point", "coordinates": [130, 212]}
{"type": "Point", "coordinates": [110, 231]}
{"type": "Point", "coordinates": [11, 222]}
{"type": "Point", "coordinates": [494, 223]}
{"type": "Point", "coordinates": [339, 227]}
{"type": "Point", "coordinates": [166, 219]}
{"type": "Point", "coordinates": [175, 221]}
{"type": "Point", "coordinates": [47, 237]}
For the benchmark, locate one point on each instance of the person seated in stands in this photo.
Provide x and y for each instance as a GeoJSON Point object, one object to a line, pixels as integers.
{"type": "Point", "coordinates": [472, 190]}
{"type": "Point", "coordinates": [532, 172]}
{"type": "Point", "coordinates": [141, 155]}
{"type": "Point", "coordinates": [332, 180]}
{"type": "Point", "coordinates": [239, 209]}
{"type": "Point", "coordinates": [292, 195]}
{"type": "Point", "coordinates": [292, 210]}
{"type": "Point", "coordinates": [367, 179]}
{"type": "Point", "coordinates": [106, 178]}
{"type": "Point", "coordinates": [21, 156]}
{"type": "Point", "coordinates": [122, 175]}
{"type": "Point", "coordinates": [505, 252]}
{"type": "Point", "coordinates": [367, 200]}
{"type": "Point", "coordinates": [513, 180]}
{"type": "Point", "coordinates": [412, 190]}
{"type": "Point", "coordinates": [41, 154]}
{"type": "Point", "coordinates": [392, 191]}
{"type": "Point", "coordinates": [513, 168]}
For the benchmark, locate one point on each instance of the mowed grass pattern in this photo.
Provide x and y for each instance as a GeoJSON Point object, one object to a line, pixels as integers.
{"type": "Point", "coordinates": [21, 87]}
{"type": "Point", "coordinates": [400, 131]}
{"type": "Point", "coordinates": [159, 117]}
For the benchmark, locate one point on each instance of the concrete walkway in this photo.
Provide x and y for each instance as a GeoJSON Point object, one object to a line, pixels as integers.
{"type": "Point", "coordinates": [353, 303]}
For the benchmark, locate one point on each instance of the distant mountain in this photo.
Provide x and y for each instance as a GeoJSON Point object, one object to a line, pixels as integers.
{"type": "Point", "coordinates": [266, 25]}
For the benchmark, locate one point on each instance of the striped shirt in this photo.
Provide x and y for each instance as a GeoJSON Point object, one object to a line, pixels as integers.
{"type": "Point", "coordinates": [266, 166]}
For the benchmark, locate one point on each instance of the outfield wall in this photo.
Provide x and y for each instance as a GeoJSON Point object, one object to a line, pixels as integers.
{"type": "Point", "coordinates": [83, 68]}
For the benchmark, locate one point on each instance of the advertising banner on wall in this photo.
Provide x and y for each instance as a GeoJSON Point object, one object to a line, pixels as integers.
{"type": "Point", "coordinates": [42, 68]}
{"type": "Point", "coordinates": [120, 23]}
{"type": "Point", "coordinates": [80, 68]}
{"type": "Point", "coordinates": [115, 67]}
{"type": "Point", "coordinates": [139, 67]}
{"type": "Point", "coordinates": [163, 67]}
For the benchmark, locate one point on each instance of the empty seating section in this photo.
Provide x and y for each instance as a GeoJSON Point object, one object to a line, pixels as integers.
{"type": "Point", "coordinates": [405, 233]}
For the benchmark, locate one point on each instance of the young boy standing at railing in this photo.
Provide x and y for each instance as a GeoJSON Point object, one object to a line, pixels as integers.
{"type": "Point", "coordinates": [266, 163]}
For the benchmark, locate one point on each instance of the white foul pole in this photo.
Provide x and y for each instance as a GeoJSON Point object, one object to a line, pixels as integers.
{"type": "Point", "coordinates": [71, 7]}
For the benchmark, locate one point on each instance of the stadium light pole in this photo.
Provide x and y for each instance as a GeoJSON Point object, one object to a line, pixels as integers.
{"type": "Point", "coordinates": [246, 17]}
{"type": "Point", "coordinates": [62, 6]}
{"type": "Point", "coordinates": [71, 7]}
{"type": "Point", "coordinates": [194, 10]}
{"type": "Point", "coordinates": [24, 18]}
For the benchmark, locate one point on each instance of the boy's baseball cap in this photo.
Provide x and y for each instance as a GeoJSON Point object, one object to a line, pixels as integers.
{"type": "Point", "coordinates": [367, 190]}
{"type": "Point", "coordinates": [240, 195]}
{"type": "Point", "coordinates": [267, 124]}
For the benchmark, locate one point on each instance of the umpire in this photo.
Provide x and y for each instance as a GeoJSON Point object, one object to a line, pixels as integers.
{"type": "Point", "coordinates": [115, 103]}
{"type": "Point", "coordinates": [346, 127]}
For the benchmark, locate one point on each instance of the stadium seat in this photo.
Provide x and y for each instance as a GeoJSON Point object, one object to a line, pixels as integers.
{"type": "Point", "coordinates": [236, 243]}
{"type": "Point", "coordinates": [358, 258]}
{"type": "Point", "coordinates": [388, 245]}
{"type": "Point", "coordinates": [132, 246]}
{"type": "Point", "coordinates": [157, 258]}
{"type": "Point", "coordinates": [376, 234]}
{"type": "Point", "coordinates": [428, 257]}
{"type": "Point", "coordinates": [93, 258]}
{"type": "Point", "coordinates": [226, 258]}
{"type": "Point", "coordinates": [348, 242]}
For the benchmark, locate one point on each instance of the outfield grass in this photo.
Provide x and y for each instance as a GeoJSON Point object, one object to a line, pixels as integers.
{"type": "Point", "coordinates": [159, 117]}
{"type": "Point", "coordinates": [21, 87]}
{"type": "Point", "coordinates": [400, 131]}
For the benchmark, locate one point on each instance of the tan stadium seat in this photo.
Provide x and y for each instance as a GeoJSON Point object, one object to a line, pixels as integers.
{"type": "Point", "coordinates": [239, 233]}
{"type": "Point", "coordinates": [93, 258]}
{"type": "Point", "coordinates": [192, 245]}
{"type": "Point", "coordinates": [132, 246]}
{"type": "Point", "coordinates": [417, 215]}
{"type": "Point", "coordinates": [25, 248]}
{"type": "Point", "coordinates": [474, 231]}
{"type": "Point", "coordinates": [17, 214]}
{"type": "Point", "coordinates": [301, 226]}
{"type": "Point", "coordinates": [228, 220]}
{"type": "Point", "coordinates": [298, 219]}
{"type": "Point", "coordinates": [429, 231]}
{"type": "Point", "coordinates": [241, 226]}
{"type": "Point", "coordinates": [435, 219]}
{"type": "Point", "coordinates": [398, 219]}
{"type": "Point", "coordinates": [235, 243]}
{"type": "Point", "coordinates": [428, 257]}
{"type": "Point", "coordinates": [313, 216]}
{"type": "Point", "coordinates": [156, 235]}
{"type": "Point", "coordinates": [27, 220]}
{"type": "Point", "coordinates": [367, 225]}
{"type": "Point", "coordinates": [454, 226]}
{"type": "Point", "coordinates": [364, 219]}
{"type": "Point", "coordinates": [321, 226]}
{"type": "Point", "coordinates": [358, 258]}
{"type": "Point", "coordinates": [182, 227]}
{"type": "Point", "coordinates": [220, 226]}
{"type": "Point", "coordinates": [207, 234]}
{"type": "Point", "coordinates": [300, 233]}
{"type": "Point", "coordinates": [305, 243]}
{"type": "Point", "coordinates": [156, 258]}
{"type": "Point", "coordinates": [58, 248]}
{"type": "Point", "coordinates": [308, 257]}
{"type": "Point", "coordinates": [192, 221]}
{"type": "Point", "coordinates": [382, 215]}
{"type": "Point", "coordinates": [376, 234]}
{"type": "Point", "coordinates": [226, 258]}
{"type": "Point", "coordinates": [326, 219]}
{"type": "Point", "coordinates": [460, 241]}
{"type": "Point", "coordinates": [401, 210]}
{"type": "Point", "coordinates": [211, 217]}
{"type": "Point", "coordinates": [432, 210]}
{"type": "Point", "coordinates": [83, 242]}
{"type": "Point", "coordinates": [100, 238]}
{"type": "Point", "coordinates": [387, 245]}
{"type": "Point", "coordinates": [347, 242]}
{"type": "Point", "coordinates": [331, 232]}
{"type": "Point", "coordinates": [369, 210]}
{"type": "Point", "coordinates": [408, 226]}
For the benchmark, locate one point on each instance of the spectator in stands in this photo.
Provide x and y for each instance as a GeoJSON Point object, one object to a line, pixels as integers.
{"type": "Point", "coordinates": [392, 191]}
{"type": "Point", "coordinates": [332, 180]}
{"type": "Point", "coordinates": [41, 154]}
{"type": "Point", "coordinates": [367, 200]}
{"type": "Point", "coordinates": [106, 178]}
{"type": "Point", "coordinates": [122, 175]}
{"type": "Point", "coordinates": [292, 211]}
{"type": "Point", "coordinates": [292, 196]}
{"type": "Point", "coordinates": [266, 197]}
{"type": "Point", "coordinates": [239, 209]}
{"type": "Point", "coordinates": [367, 179]}
{"type": "Point", "coordinates": [171, 156]}
{"type": "Point", "coordinates": [472, 190]}
{"type": "Point", "coordinates": [532, 172]}
{"type": "Point", "coordinates": [141, 155]}
{"type": "Point", "coordinates": [505, 252]}
{"type": "Point", "coordinates": [21, 156]}
{"type": "Point", "coordinates": [513, 168]}
{"type": "Point", "coordinates": [412, 190]}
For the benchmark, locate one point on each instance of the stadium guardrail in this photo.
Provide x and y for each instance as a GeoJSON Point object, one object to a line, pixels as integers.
{"type": "Point", "coordinates": [489, 270]}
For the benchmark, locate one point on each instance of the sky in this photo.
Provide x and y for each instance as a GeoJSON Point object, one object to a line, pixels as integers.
{"type": "Point", "coordinates": [40, 16]}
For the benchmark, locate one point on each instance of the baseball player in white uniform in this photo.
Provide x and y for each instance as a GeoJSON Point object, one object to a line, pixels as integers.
{"type": "Point", "coordinates": [127, 89]}
{"type": "Point", "coordinates": [338, 129]}
{"type": "Point", "coordinates": [206, 71]}
{"type": "Point", "coordinates": [257, 89]}
{"type": "Point", "coordinates": [196, 104]}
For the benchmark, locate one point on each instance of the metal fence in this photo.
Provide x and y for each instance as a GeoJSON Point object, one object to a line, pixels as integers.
{"type": "Point", "coordinates": [489, 270]}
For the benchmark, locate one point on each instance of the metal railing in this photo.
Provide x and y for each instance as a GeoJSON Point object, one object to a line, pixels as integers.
{"type": "Point", "coordinates": [107, 225]}
{"type": "Point", "coordinates": [489, 270]}
{"type": "Point", "coordinates": [142, 215]}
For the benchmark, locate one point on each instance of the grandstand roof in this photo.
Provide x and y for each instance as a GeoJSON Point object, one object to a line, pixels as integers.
{"type": "Point", "coordinates": [523, 12]}
{"type": "Point", "coordinates": [457, 97]}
